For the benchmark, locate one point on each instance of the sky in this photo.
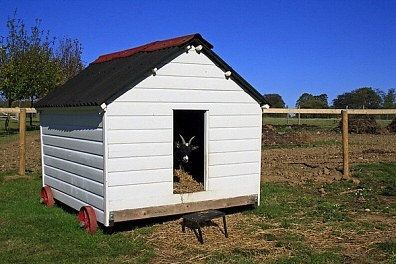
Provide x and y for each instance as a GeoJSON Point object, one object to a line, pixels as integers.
{"type": "Point", "coordinates": [283, 47]}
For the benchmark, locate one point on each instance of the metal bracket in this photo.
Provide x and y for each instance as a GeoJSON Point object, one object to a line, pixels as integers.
{"type": "Point", "coordinates": [111, 219]}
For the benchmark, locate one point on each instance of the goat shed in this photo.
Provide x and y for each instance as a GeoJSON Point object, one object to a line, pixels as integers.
{"type": "Point", "coordinates": [108, 134]}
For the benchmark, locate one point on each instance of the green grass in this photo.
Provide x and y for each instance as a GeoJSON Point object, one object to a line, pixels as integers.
{"type": "Point", "coordinates": [33, 233]}
{"type": "Point", "coordinates": [13, 129]}
{"type": "Point", "coordinates": [286, 206]}
{"type": "Point", "coordinates": [311, 123]}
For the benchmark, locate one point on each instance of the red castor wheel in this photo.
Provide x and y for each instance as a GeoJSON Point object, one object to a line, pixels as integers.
{"type": "Point", "coordinates": [46, 196]}
{"type": "Point", "coordinates": [87, 219]}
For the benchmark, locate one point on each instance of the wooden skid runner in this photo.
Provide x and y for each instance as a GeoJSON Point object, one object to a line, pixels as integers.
{"type": "Point", "coordinates": [157, 211]}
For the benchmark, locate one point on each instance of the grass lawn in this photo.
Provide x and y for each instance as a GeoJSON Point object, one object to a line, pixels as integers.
{"type": "Point", "coordinates": [286, 219]}
{"type": "Point", "coordinates": [13, 129]}
{"type": "Point", "coordinates": [33, 233]}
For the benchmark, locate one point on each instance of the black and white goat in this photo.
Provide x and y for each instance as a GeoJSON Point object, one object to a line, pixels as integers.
{"type": "Point", "coordinates": [183, 150]}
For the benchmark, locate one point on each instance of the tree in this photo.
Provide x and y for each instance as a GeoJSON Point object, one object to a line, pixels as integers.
{"type": "Point", "coordinates": [364, 97]}
{"type": "Point", "coordinates": [69, 55]}
{"type": "Point", "coordinates": [308, 100]}
{"type": "Point", "coordinates": [389, 99]}
{"type": "Point", "coordinates": [30, 63]}
{"type": "Point", "coordinates": [274, 100]}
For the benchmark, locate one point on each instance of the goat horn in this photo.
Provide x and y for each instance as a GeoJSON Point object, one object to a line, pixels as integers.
{"type": "Point", "coordinates": [183, 141]}
{"type": "Point", "coordinates": [189, 142]}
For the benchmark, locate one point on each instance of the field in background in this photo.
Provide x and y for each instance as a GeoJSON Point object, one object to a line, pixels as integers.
{"type": "Point", "coordinates": [319, 123]}
{"type": "Point", "coordinates": [307, 214]}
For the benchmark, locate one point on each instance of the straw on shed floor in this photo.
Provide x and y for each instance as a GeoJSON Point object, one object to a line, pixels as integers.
{"type": "Point", "coordinates": [185, 183]}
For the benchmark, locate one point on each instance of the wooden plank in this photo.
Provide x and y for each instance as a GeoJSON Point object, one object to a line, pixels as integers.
{"type": "Point", "coordinates": [76, 180]}
{"type": "Point", "coordinates": [234, 133]}
{"type": "Point", "coordinates": [17, 110]}
{"type": "Point", "coordinates": [93, 147]}
{"type": "Point", "coordinates": [185, 96]}
{"type": "Point", "coordinates": [140, 191]}
{"type": "Point", "coordinates": [166, 108]}
{"type": "Point", "coordinates": [221, 146]}
{"type": "Point", "coordinates": [233, 169]}
{"type": "Point", "coordinates": [75, 168]}
{"type": "Point", "coordinates": [139, 149]}
{"type": "Point", "coordinates": [76, 204]}
{"type": "Point", "coordinates": [22, 141]}
{"type": "Point", "coordinates": [140, 177]}
{"type": "Point", "coordinates": [72, 118]}
{"type": "Point", "coordinates": [139, 136]}
{"type": "Point", "coordinates": [75, 192]}
{"type": "Point", "coordinates": [183, 208]}
{"type": "Point", "coordinates": [140, 163]}
{"type": "Point", "coordinates": [139, 122]}
{"type": "Point", "coordinates": [192, 57]}
{"type": "Point", "coordinates": [74, 132]}
{"type": "Point", "coordinates": [234, 157]}
{"type": "Point", "coordinates": [191, 83]}
{"type": "Point", "coordinates": [237, 185]}
{"type": "Point", "coordinates": [329, 111]}
{"type": "Point", "coordinates": [189, 69]}
{"type": "Point", "coordinates": [234, 121]}
{"type": "Point", "coordinates": [87, 159]}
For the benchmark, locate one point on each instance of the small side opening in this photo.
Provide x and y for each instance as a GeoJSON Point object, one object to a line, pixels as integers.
{"type": "Point", "coordinates": [188, 176]}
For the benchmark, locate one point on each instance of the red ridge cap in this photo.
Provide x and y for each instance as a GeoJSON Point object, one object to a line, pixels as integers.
{"type": "Point", "coordinates": [153, 46]}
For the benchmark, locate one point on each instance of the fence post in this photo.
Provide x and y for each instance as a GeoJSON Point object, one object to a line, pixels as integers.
{"type": "Point", "coordinates": [299, 117]}
{"type": "Point", "coordinates": [345, 144]}
{"type": "Point", "coordinates": [22, 141]}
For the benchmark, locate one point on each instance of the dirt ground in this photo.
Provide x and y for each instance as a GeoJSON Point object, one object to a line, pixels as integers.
{"type": "Point", "coordinates": [10, 156]}
{"type": "Point", "coordinates": [297, 165]}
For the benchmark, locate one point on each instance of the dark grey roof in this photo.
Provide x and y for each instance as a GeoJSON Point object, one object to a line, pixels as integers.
{"type": "Point", "coordinates": [102, 80]}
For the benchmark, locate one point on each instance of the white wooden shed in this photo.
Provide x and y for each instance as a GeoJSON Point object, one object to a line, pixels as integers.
{"type": "Point", "coordinates": [108, 134]}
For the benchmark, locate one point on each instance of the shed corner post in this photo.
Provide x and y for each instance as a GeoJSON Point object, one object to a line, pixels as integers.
{"type": "Point", "coordinates": [109, 217]}
{"type": "Point", "coordinates": [345, 144]}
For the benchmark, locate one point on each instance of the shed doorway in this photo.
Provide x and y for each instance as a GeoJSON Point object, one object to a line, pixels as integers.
{"type": "Point", "coordinates": [189, 176]}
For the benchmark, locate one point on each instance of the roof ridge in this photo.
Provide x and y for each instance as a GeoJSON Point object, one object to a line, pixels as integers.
{"type": "Point", "coordinates": [152, 46]}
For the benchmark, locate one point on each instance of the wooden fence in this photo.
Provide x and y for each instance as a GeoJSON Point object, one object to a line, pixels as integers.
{"type": "Point", "coordinates": [22, 133]}
{"type": "Point", "coordinates": [344, 112]}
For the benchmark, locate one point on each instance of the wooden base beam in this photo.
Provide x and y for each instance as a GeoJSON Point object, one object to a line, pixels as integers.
{"type": "Point", "coordinates": [157, 211]}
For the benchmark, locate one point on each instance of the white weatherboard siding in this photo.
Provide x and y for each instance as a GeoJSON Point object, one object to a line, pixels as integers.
{"type": "Point", "coordinates": [140, 135]}
{"type": "Point", "coordinates": [73, 157]}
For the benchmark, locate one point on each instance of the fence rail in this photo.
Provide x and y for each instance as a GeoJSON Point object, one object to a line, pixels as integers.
{"type": "Point", "coordinates": [17, 110]}
{"type": "Point", "coordinates": [329, 111]}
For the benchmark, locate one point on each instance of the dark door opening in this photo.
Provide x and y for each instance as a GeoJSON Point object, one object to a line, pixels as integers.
{"type": "Point", "coordinates": [190, 176]}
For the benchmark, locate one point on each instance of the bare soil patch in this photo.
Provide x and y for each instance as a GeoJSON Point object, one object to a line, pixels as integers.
{"type": "Point", "coordinates": [10, 156]}
{"type": "Point", "coordinates": [299, 165]}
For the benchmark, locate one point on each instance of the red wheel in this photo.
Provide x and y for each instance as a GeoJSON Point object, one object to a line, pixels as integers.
{"type": "Point", "coordinates": [46, 196]}
{"type": "Point", "coordinates": [87, 219]}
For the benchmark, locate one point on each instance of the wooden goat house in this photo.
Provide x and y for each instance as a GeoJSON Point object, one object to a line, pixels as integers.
{"type": "Point", "coordinates": [108, 134]}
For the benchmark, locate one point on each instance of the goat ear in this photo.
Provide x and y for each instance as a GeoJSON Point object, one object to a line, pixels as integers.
{"type": "Point", "coordinates": [177, 144]}
{"type": "Point", "coordinates": [195, 147]}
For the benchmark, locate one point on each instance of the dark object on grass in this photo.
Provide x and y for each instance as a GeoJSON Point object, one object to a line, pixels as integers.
{"type": "Point", "coordinates": [200, 219]}
{"type": "Point", "coordinates": [363, 124]}
{"type": "Point", "coordinates": [392, 126]}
